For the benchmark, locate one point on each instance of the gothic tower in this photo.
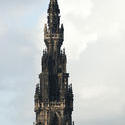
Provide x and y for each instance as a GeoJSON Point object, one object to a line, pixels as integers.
{"type": "Point", "coordinates": [53, 95]}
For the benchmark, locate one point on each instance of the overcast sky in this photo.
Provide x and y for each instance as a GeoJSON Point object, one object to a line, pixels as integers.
{"type": "Point", "coordinates": [95, 46]}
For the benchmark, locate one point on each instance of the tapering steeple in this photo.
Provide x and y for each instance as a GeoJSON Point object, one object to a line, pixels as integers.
{"type": "Point", "coordinates": [53, 31]}
{"type": "Point", "coordinates": [53, 96]}
{"type": "Point", "coordinates": [53, 16]}
{"type": "Point", "coordinates": [53, 7]}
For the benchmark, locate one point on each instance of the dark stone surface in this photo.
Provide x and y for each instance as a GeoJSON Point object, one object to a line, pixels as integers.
{"type": "Point", "coordinates": [53, 96]}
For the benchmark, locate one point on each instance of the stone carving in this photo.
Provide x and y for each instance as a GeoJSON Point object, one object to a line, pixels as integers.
{"type": "Point", "coordinates": [53, 95]}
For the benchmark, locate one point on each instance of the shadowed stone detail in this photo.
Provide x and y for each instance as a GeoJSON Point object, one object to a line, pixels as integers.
{"type": "Point", "coordinates": [53, 95]}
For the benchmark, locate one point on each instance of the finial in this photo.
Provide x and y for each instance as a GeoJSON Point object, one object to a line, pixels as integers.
{"type": "Point", "coordinates": [61, 51]}
{"type": "Point", "coordinates": [53, 1]}
{"type": "Point", "coordinates": [37, 85]}
{"type": "Point", "coordinates": [53, 7]}
{"type": "Point", "coordinates": [62, 27]}
{"type": "Point", "coordinates": [45, 28]}
{"type": "Point", "coordinates": [64, 51]}
{"type": "Point", "coordinates": [43, 52]}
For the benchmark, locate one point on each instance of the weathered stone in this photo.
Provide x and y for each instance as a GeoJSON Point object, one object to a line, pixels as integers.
{"type": "Point", "coordinates": [53, 96]}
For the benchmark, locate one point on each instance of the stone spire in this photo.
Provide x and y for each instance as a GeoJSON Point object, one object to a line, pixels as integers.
{"type": "Point", "coordinates": [53, 31]}
{"type": "Point", "coordinates": [53, 16]}
{"type": "Point", "coordinates": [53, 96]}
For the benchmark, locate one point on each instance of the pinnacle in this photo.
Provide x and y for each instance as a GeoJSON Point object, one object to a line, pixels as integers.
{"type": "Point", "coordinates": [53, 7]}
{"type": "Point", "coordinates": [53, 0]}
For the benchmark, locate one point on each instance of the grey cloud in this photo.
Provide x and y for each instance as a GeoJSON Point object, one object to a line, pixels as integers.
{"type": "Point", "coordinates": [20, 2]}
{"type": "Point", "coordinates": [102, 71]}
{"type": "Point", "coordinates": [97, 75]}
{"type": "Point", "coordinates": [18, 52]}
